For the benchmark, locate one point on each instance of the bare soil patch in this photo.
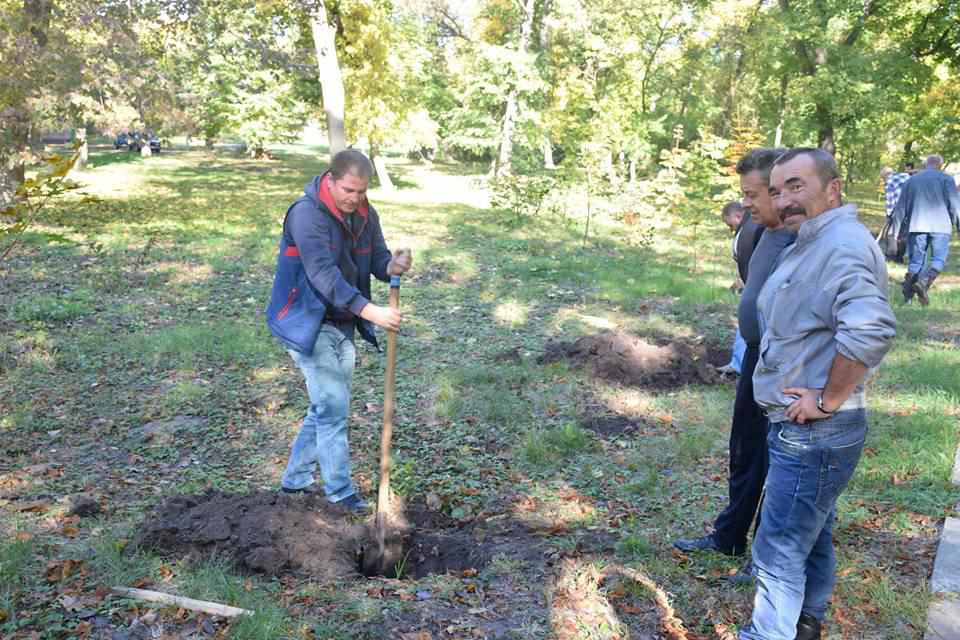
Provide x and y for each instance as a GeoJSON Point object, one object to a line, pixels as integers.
{"type": "Point", "coordinates": [277, 534]}
{"type": "Point", "coordinates": [264, 532]}
{"type": "Point", "coordinates": [619, 357]}
{"type": "Point", "coordinates": [610, 426]}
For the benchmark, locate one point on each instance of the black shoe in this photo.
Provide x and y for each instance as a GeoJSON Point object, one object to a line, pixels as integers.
{"type": "Point", "coordinates": [909, 282]}
{"type": "Point", "coordinates": [922, 286]}
{"type": "Point", "coordinates": [921, 291]}
{"type": "Point", "coordinates": [310, 489]}
{"type": "Point", "coordinates": [355, 504]}
{"type": "Point", "coordinates": [744, 574]}
{"type": "Point", "coordinates": [808, 627]}
{"type": "Point", "coordinates": [707, 543]}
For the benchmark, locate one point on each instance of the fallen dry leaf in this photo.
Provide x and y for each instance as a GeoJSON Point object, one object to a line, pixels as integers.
{"type": "Point", "coordinates": [35, 506]}
{"type": "Point", "coordinates": [58, 571]}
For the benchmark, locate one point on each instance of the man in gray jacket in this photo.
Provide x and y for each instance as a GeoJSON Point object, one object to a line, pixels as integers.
{"type": "Point", "coordinates": [928, 209]}
{"type": "Point", "coordinates": [827, 324]}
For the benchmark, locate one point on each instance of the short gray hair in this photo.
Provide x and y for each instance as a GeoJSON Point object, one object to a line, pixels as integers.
{"type": "Point", "coordinates": [934, 161]}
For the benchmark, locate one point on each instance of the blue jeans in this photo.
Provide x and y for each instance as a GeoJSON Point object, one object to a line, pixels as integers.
{"type": "Point", "coordinates": [736, 357]}
{"type": "Point", "coordinates": [939, 244]}
{"type": "Point", "coordinates": [322, 440]}
{"type": "Point", "coordinates": [793, 559]}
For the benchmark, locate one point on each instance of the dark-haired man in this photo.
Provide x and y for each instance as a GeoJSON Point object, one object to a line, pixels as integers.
{"type": "Point", "coordinates": [748, 432]}
{"type": "Point", "coordinates": [331, 245]}
{"type": "Point", "coordinates": [827, 323]}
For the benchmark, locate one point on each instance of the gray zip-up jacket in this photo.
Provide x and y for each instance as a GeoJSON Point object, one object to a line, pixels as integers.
{"type": "Point", "coordinates": [929, 200]}
{"type": "Point", "coordinates": [827, 295]}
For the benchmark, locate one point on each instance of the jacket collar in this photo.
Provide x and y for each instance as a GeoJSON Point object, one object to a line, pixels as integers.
{"type": "Point", "coordinates": [811, 229]}
{"type": "Point", "coordinates": [324, 195]}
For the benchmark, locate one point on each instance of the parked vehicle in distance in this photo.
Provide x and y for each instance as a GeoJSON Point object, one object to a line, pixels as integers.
{"type": "Point", "coordinates": [154, 143]}
{"type": "Point", "coordinates": [121, 141]}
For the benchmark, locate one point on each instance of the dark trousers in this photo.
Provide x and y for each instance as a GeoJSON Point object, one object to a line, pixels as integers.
{"type": "Point", "coordinates": [748, 461]}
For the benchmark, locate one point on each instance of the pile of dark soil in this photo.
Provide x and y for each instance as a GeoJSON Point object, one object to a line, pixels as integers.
{"type": "Point", "coordinates": [274, 533]}
{"type": "Point", "coordinates": [265, 532]}
{"type": "Point", "coordinates": [619, 357]}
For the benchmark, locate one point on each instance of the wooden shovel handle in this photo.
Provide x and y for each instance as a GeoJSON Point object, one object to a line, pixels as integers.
{"type": "Point", "coordinates": [389, 382]}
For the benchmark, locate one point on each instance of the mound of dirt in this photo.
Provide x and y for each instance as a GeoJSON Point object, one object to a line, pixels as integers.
{"type": "Point", "coordinates": [274, 533]}
{"type": "Point", "coordinates": [619, 357]}
{"type": "Point", "coordinates": [265, 532]}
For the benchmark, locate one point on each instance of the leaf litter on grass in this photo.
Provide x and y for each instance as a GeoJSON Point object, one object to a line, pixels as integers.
{"type": "Point", "coordinates": [77, 394]}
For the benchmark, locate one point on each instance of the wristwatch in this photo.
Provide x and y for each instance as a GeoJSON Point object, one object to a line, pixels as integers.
{"type": "Point", "coordinates": [820, 406]}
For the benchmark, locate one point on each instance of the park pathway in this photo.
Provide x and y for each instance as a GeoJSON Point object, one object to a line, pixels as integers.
{"type": "Point", "coordinates": [943, 617]}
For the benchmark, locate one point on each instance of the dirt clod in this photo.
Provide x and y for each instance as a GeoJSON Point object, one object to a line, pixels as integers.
{"type": "Point", "coordinates": [626, 359]}
{"type": "Point", "coordinates": [83, 506]}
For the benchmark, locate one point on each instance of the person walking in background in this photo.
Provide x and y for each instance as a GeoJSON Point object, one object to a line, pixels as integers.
{"type": "Point", "coordinates": [748, 432]}
{"type": "Point", "coordinates": [892, 184]}
{"type": "Point", "coordinates": [746, 235]}
{"type": "Point", "coordinates": [827, 324]}
{"type": "Point", "coordinates": [927, 212]}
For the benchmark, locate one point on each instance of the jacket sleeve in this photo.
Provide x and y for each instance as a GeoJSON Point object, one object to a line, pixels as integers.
{"type": "Point", "coordinates": [864, 322]}
{"type": "Point", "coordinates": [953, 201]}
{"type": "Point", "coordinates": [311, 233]}
{"type": "Point", "coordinates": [380, 258]}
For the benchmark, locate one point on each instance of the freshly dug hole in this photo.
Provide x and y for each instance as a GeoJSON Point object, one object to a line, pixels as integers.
{"type": "Point", "coordinates": [274, 533]}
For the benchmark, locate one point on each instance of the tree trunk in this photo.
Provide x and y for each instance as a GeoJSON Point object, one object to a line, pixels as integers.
{"type": "Point", "coordinates": [380, 164]}
{"type": "Point", "coordinates": [825, 133]}
{"type": "Point", "coordinates": [633, 171]}
{"type": "Point", "coordinates": [907, 152]}
{"type": "Point", "coordinates": [331, 80]}
{"type": "Point", "coordinates": [513, 98]}
{"type": "Point", "coordinates": [781, 109]}
{"type": "Point", "coordinates": [84, 149]}
{"type": "Point", "coordinates": [15, 118]}
{"type": "Point", "coordinates": [548, 154]}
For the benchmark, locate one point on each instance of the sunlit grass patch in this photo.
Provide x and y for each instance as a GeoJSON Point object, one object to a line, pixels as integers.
{"type": "Point", "coordinates": [55, 308]}
{"type": "Point", "coordinates": [512, 313]}
{"type": "Point", "coordinates": [907, 460]}
{"type": "Point", "coordinates": [544, 446]}
{"type": "Point", "coordinates": [187, 345]}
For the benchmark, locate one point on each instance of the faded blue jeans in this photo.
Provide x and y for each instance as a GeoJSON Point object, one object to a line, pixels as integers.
{"type": "Point", "coordinates": [917, 244]}
{"type": "Point", "coordinates": [793, 558]}
{"type": "Point", "coordinates": [739, 349]}
{"type": "Point", "coordinates": [322, 440]}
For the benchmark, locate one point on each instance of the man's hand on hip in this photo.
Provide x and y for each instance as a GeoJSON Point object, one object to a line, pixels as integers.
{"type": "Point", "coordinates": [804, 408]}
{"type": "Point", "coordinates": [400, 263]}
{"type": "Point", "coordinates": [386, 317]}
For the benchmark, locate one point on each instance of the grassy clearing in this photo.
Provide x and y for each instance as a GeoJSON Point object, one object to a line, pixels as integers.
{"type": "Point", "coordinates": [154, 317]}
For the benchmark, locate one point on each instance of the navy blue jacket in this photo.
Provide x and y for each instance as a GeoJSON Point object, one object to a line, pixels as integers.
{"type": "Point", "coordinates": [324, 268]}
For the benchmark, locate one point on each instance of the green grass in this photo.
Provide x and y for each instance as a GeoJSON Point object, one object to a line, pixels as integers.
{"type": "Point", "coordinates": [15, 558]}
{"type": "Point", "coordinates": [156, 312]}
{"type": "Point", "coordinates": [552, 445]}
{"type": "Point", "coordinates": [215, 581]}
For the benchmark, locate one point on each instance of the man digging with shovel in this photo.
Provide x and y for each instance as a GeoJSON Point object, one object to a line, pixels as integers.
{"type": "Point", "coordinates": [331, 244]}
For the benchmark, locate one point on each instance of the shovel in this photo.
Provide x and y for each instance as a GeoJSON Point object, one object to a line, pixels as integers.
{"type": "Point", "coordinates": [389, 553]}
